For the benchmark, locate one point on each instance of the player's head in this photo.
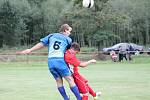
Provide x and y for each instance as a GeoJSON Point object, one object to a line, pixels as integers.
{"type": "Point", "coordinates": [65, 29]}
{"type": "Point", "coordinates": [75, 46]}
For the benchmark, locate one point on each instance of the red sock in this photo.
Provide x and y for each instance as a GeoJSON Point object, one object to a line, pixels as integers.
{"type": "Point", "coordinates": [85, 97]}
{"type": "Point", "coordinates": [91, 91]}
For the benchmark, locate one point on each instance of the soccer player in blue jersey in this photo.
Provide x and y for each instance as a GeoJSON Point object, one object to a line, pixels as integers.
{"type": "Point", "coordinates": [57, 44]}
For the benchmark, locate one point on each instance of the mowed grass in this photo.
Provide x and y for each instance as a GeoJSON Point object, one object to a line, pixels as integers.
{"type": "Point", "coordinates": [117, 81]}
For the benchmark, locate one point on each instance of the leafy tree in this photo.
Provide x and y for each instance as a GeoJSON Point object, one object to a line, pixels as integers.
{"type": "Point", "coordinates": [8, 22]}
{"type": "Point", "coordinates": [24, 22]}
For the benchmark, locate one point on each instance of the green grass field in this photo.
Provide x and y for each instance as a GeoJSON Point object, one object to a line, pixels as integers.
{"type": "Point", "coordinates": [117, 81]}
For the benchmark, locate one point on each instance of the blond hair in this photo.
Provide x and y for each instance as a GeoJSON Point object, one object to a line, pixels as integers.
{"type": "Point", "coordinates": [64, 27]}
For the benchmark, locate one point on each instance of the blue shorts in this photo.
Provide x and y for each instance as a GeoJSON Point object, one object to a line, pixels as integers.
{"type": "Point", "coordinates": [58, 68]}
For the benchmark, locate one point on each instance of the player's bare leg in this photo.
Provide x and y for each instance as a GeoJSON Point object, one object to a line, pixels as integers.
{"type": "Point", "coordinates": [61, 88]}
{"type": "Point", "coordinates": [73, 87]}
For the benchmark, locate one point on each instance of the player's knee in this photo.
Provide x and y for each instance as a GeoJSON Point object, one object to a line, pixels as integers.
{"type": "Point", "coordinates": [59, 82]}
{"type": "Point", "coordinates": [70, 80]}
{"type": "Point", "coordinates": [85, 94]}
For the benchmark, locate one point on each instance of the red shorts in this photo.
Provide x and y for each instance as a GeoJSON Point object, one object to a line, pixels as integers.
{"type": "Point", "coordinates": [81, 83]}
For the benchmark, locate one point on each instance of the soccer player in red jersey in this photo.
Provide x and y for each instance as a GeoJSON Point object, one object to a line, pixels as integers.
{"type": "Point", "coordinates": [81, 82]}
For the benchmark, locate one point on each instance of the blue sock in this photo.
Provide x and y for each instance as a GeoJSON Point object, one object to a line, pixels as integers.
{"type": "Point", "coordinates": [63, 93]}
{"type": "Point", "coordinates": [75, 90]}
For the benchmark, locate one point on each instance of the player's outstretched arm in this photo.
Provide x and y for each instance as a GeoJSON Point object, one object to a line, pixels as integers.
{"type": "Point", "coordinates": [36, 47]}
{"type": "Point", "coordinates": [84, 64]}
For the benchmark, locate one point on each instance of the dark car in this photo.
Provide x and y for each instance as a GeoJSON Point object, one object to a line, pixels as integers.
{"type": "Point", "coordinates": [125, 46]}
{"type": "Point", "coordinates": [148, 51]}
{"type": "Point", "coordinates": [136, 47]}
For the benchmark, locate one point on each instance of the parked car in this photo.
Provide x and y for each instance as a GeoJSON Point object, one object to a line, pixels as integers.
{"type": "Point", "coordinates": [125, 46]}
{"type": "Point", "coordinates": [136, 47]}
{"type": "Point", "coordinates": [148, 51]}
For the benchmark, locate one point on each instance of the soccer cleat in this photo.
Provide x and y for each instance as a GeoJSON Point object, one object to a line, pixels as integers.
{"type": "Point", "coordinates": [97, 95]}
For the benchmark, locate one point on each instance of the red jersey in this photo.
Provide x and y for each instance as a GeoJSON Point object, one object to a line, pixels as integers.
{"type": "Point", "coordinates": [70, 58]}
{"type": "Point", "coordinates": [81, 82]}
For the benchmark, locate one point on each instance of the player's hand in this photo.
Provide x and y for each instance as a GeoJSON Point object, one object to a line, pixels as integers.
{"type": "Point", "coordinates": [27, 51]}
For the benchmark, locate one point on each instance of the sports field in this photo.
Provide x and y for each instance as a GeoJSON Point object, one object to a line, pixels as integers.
{"type": "Point", "coordinates": [117, 81]}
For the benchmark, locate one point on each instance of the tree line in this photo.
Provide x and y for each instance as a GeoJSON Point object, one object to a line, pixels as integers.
{"type": "Point", "coordinates": [24, 22]}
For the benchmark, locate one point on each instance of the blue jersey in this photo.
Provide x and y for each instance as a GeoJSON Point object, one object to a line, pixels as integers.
{"type": "Point", "coordinates": [57, 44]}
